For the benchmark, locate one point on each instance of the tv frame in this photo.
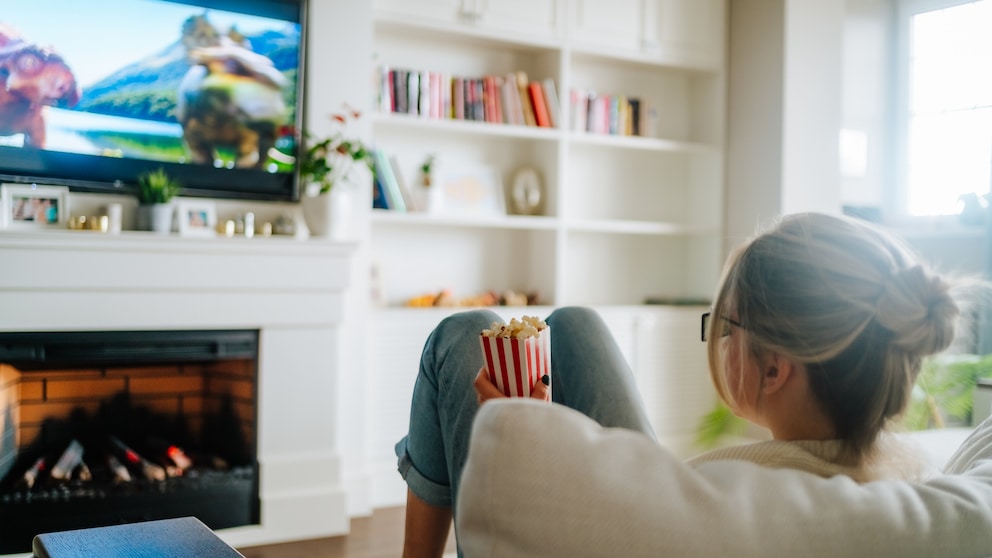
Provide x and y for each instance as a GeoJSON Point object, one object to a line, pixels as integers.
{"type": "Point", "coordinates": [92, 174]}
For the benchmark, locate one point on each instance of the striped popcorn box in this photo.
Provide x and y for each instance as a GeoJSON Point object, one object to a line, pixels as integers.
{"type": "Point", "coordinates": [516, 365]}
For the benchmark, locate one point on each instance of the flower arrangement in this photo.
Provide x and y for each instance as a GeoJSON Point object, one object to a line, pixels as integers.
{"type": "Point", "coordinates": [331, 159]}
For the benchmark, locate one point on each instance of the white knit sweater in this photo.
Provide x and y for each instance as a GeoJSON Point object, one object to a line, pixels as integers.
{"type": "Point", "coordinates": [892, 458]}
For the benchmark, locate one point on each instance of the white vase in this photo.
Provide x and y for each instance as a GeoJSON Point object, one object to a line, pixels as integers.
{"type": "Point", "coordinates": [329, 215]}
{"type": "Point", "coordinates": [155, 217]}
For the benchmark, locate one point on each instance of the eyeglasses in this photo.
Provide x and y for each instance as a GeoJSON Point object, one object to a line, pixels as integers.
{"type": "Point", "coordinates": [705, 327]}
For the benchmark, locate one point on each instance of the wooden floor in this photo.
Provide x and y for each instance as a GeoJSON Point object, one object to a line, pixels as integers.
{"type": "Point", "coordinates": [377, 536]}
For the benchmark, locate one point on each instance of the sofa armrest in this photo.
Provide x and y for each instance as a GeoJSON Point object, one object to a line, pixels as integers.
{"type": "Point", "coordinates": [543, 480]}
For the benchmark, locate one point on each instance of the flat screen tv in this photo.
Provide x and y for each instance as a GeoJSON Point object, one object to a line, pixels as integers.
{"type": "Point", "coordinates": [97, 92]}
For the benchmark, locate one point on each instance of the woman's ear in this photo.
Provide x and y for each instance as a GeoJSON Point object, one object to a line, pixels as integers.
{"type": "Point", "coordinates": [776, 374]}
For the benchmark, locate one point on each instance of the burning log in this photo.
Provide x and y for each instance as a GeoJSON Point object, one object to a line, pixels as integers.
{"type": "Point", "coordinates": [70, 459]}
{"type": "Point", "coordinates": [150, 470]}
{"type": "Point", "coordinates": [31, 475]}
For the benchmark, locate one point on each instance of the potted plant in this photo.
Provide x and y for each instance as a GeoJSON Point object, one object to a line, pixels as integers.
{"type": "Point", "coordinates": [326, 166]}
{"type": "Point", "coordinates": [155, 192]}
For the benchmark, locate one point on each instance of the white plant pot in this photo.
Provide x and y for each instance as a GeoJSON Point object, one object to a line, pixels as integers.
{"type": "Point", "coordinates": [156, 217]}
{"type": "Point", "coordinates": [330, 215]}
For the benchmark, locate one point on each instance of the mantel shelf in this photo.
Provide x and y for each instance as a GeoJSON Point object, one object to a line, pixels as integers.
{"type": "Point", "coordinates": [148, 242]}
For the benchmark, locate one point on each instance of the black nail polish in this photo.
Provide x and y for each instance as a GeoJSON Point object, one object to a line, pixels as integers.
{"type": "Point", "coordinates": [546, 380]}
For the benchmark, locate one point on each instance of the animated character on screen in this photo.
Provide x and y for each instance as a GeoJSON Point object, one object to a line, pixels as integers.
{"type": "Point", "coordinates": [232, 97]}
{"type": "Point", "coordinates": [30, 78]}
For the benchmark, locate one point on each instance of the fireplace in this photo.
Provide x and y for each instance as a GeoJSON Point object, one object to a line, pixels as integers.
{"type": "Point", "coordinates": [102, 428]}
{"type": "Point", "coordinates": [293, 294]}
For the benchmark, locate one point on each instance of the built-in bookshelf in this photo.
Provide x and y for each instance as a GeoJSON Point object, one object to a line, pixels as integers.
{"type": "Point", "coordinates": [630, 168]}
{"type": "Point", "coordinates": [629, 214]}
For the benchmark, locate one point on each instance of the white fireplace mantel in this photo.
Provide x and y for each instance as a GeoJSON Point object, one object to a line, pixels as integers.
{"type": "Point", "coordinates": [290, 290]}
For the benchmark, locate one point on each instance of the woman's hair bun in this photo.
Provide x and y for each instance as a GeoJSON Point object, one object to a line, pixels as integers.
{"type": "Point", "coordinates": [917, 307]}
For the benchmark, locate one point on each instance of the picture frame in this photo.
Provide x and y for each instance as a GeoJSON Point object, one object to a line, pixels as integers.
{"type": "Point", "coordinates": [196, 218]}
{"type": "Point", "coordinates": [468, 189]}
{"type": "Point", "coordinates": [30, 206]}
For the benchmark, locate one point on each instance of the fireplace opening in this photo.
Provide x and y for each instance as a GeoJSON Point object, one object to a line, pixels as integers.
{"type": "Point", "coordinates": [103, 428]}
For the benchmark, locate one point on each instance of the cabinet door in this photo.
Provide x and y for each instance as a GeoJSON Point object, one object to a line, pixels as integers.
{"type": "Point", "coordinates": [438, 11]}
{"type": "Point", "coordinates": [615, 25]}
{"type": "Point", "coordinates": [515, 18]}
{"type": "Point", "coordinates": [687, 31]}
{"type": "Point", "coordinates": [532, 18]}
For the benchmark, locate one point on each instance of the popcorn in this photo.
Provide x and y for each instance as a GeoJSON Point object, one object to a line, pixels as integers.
{"type": "Point", "coordinates": [517, 354]}
{"type": "Point", "coordinates": [528, 326]}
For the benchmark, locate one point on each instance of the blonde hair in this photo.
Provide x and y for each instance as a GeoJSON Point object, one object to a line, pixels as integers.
{"type": "Point", "coordinates": [849, 302]}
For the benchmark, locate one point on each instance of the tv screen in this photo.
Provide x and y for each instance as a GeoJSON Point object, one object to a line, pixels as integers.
{"type": "Point", "coordinates": [97, 92]}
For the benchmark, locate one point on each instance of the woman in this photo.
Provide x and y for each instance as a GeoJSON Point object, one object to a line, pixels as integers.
{"type": "Point", "coordinates": [817, 333]}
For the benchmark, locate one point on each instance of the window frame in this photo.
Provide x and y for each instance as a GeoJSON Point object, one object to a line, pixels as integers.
{"type": "Point", "coordinates": [897, 195]}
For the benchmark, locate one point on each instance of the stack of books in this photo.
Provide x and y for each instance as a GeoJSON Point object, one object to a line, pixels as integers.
{"type": "Point", "coordinates": [497, 99]}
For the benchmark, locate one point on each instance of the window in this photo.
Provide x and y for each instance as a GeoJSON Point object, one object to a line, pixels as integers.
{"type": "Point", "coordinates": [947, 63]}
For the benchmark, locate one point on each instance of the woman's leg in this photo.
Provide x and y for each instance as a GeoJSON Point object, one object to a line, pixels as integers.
{"type": "Point", "coordinates": [589, 374]}
{"type": "Point", "coordinates": [433, 452]}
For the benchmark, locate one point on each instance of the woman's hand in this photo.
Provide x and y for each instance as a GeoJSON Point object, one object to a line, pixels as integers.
{"type": "Point", "coordinates": [485, 390]}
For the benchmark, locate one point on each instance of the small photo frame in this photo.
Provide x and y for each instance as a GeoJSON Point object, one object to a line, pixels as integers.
{"type": "Point", "coordinates": [29, 206]}
{"type": "Point", "coordinates": [196, 218]}
{"type": "Point", "coordinates": [469, 190]}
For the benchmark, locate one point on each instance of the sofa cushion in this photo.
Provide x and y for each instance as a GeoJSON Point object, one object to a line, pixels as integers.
{"type": "Point", "coordinates": [543, 480]}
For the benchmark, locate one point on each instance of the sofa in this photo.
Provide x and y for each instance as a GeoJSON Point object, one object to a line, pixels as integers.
{"type": "Point", "coordinates": [542, 480]}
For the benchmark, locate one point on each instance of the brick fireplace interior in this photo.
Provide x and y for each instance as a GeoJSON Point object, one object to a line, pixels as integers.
{"type": "Point", "coordinates": [102, 428]}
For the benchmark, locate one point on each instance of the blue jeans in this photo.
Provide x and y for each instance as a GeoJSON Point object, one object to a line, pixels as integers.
{"type": "Point", "coordinates": [588, 374]}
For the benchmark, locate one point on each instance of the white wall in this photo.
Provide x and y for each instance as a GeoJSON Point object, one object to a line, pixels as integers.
{"type": "Point", "coordinates": [866, 95]}
{"type": "Point", "coordinates": [339, 72]}
{"type": "Point", "coordinates": [784, 110]}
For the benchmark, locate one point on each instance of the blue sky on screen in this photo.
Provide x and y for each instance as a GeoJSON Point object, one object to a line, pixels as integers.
{"type": "Point", "coordinates": [128, 30]}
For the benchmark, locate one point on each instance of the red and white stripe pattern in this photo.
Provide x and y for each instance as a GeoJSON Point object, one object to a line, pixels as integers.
{"type": "Point", "coordinates": [516, 365]}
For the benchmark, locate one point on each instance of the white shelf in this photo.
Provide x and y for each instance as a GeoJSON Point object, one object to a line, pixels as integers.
{"type": "Point", "coordinates": [613, 226]}
{"type": "Point", "coordinates": [384, 122]}
{"type": "Point", "coordinates": [639, 143]}
{"type": "Point", "coordinates": [429, 220]}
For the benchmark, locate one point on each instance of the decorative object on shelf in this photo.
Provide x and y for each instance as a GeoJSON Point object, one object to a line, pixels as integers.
{"type": "Point", "coordinates": [328, 171]}
{"type": "Point", "coordinates": [444, 298]}
{"type": "Point", "coordinates": [468, 189]}
{"type": "Point", "coordinates": [155, 192]}
{"type": "Point", "coordinates": [99, 223]}
{"type": "Point", "coordinates": [115, 217]}
{"type": "Point", "coordinates": [426, 170]}
{"type": "Point", "coordinates": [527, 192]}
{"type": "Point", "coordinates": [196, 218]}
{"type": "Point", "coordinates": [33, 206]}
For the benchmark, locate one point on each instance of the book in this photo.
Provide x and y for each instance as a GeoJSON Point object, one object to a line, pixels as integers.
{"type": "Point", "coordinates": [512, 112]}
{"type": "Point", "coordinates": [379, 200]}
{"type": "Point", "coordinates": [424, 99]}
{"type": "Point", "coordinates": [383, 169]}
{"type": "Point", "coordinates": [537, 100]}
{"type": "Point", "coordinates": [525, 103]}
{"type": "Point", "coordinates": [579, 101]}
{"type": "Point", "coordinates": [458, 98]}
{"type": "Point", "coordinates": [413, 92]}
{"type": "Point", "coordinates": [551, 99]}
{"type": "Point", "coordinates": [405, 192]}
{"type": "Point", "coordinates": [184, 537]}
{"type": "Point", "coordinates": [635, 116]}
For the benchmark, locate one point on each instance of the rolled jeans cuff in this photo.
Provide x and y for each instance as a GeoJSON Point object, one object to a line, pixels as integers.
{"type": "Point", "coordinates": [433, 493]}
